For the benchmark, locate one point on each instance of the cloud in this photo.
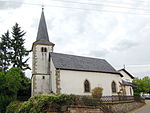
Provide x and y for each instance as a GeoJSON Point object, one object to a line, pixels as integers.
{"type": "Point", "coordinates": [98, 53]}
{"type": "Point", "coordinates": [10, 4]}
{"type": "Point", "coordinates": [125, 45]}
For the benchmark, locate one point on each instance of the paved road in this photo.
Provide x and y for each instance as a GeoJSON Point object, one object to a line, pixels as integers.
{"type": "Point", "coordinates": [144, 109]}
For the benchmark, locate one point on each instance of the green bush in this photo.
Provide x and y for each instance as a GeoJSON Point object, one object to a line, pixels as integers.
{"type": "Point", "coordinates": [4, 101]}
{"type": "Point", "coordinates": [13, 107]}
{"type": "Point", "coordinates": [41, 103]}
{"type": "Point", "coordinates": [90, 101]}
{"type": "Point", "coordinates": [97, 92]}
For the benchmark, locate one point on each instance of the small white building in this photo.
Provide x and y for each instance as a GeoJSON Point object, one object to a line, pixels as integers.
{"type": "Point", "coordinates": [127, 85]}
{"type": "Point", "coordinates": [69, 74]}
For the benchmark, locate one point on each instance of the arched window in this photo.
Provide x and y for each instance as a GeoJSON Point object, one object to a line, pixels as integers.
{"type": "Point", "coordinates": [113, 86]}
{"type": "Point", "coordinates": [45, 49]}
{"type": "Point", "coordinates": [42, 49]}
{"type": "Point", "coordinates": [86, 86]}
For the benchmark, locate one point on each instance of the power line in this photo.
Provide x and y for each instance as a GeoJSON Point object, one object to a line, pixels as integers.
{"type": "Point", "coordinates": [124, 2]}
{"type": "Point", "coordinates": [138, 65]}
{"type": "Point", "coordinates": [94, 4]}
{"type": "Point", "coordinates": [85, 9]}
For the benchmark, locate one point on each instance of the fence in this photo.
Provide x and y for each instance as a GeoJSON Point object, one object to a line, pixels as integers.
{"type": "Point", "coordinates": [89, 100]}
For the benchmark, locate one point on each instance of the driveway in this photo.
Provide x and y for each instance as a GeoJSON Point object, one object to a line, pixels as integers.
{"type": "Point", "coordinates": [144, 109]}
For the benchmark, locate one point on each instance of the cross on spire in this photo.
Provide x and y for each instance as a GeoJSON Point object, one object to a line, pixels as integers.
{"type": "Point", "coordinates": [42, 35]}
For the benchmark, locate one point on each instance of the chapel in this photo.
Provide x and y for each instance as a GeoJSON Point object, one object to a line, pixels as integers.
{"type": "Point", "coordinates": [59, 73]}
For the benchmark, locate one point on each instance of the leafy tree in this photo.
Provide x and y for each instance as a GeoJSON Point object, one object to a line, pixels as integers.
{"type": "Point", "coordinates": [19, 51]}
{"type": "Point", "coordinates": [143, 85]}
{"type": "Point", "coordinates": [5, 51]}
{"type": "Point", "coordinates": [10, 82]}
{"type": "Point", "coordinates": [24, 93]}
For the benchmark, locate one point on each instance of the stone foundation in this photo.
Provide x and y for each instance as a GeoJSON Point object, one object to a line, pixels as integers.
{"type": "Point", "coordinates": [125, 107]}
{"type": "Point", "coordinates": [109, 108]}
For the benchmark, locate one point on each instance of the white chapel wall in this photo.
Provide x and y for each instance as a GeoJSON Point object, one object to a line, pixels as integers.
{"type": "Point", "coordinates": [42, 65]}
{"type": "Point", "coordinates": [41, 85]}
{"type": "Point", "coordinates": [53, 76]}
{"type": "Point", "coordinates": [72, 82]}
{"type": "Point", "coordinates": [41, 70]}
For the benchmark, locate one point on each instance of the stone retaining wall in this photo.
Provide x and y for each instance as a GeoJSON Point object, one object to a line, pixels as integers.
{"type": "Point", "coordinates": [113, 108]}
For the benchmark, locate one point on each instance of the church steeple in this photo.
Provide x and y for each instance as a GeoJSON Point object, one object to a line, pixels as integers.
{"type": "Point", "coordinates": [42, 34]}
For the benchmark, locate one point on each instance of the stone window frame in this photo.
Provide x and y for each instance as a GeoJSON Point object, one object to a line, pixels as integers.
{"type": "Point", "coordinates": [131, 91]}
{"type": "Point", "coordinates": [43, 49]}
{"type": "Point", "coordinates": [114, 87]}
{"type": "Point", "coordinates": [89, 86]}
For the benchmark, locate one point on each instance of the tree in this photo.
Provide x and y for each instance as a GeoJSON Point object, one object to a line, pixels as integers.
{"type": "Point", "coordinates": [10, 83]}
{"type": "Point", "coordinates": [5, 51]}
{"type": "Point", "coordinates": [24, 92]}
{"type": "Point", "coordinates": [19, 51]}
{"type": "Point", "coordinates": [143, 85]}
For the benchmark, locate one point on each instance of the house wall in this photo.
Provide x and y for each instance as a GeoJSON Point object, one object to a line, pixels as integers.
{"type": "Point", "coordinates": [126, 77]}
{"type": "Point", "coordinates": [72, 82]}
{"type": "Point", "coordinates": [129, 90]}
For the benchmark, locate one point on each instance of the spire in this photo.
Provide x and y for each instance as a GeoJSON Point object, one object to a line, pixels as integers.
{"type": "Point", "coordinates": [42, 35]}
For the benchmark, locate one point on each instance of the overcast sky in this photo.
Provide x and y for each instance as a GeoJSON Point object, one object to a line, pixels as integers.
{"type": "Point", "coordinates": [115, 30]}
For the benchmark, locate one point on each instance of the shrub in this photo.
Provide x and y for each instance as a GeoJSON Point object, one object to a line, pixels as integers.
{"type": "Point", "coordinates": [90, 101]}
{"type": "Point", "coordinates": [13, 107]}
{"type": "Point", "coordinates": [4, 101]}
{"type": "Point", "coordinates": [42, 103]}
{"type": "Point", "coordinates": [97, 92]}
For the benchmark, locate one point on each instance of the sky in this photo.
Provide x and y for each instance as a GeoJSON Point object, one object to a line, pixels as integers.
{"type": "Point", "coordinates": [115, 30]}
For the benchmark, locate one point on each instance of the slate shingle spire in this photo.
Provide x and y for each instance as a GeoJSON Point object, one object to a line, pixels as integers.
{"type": "Point", "coordinates": [42, 35]}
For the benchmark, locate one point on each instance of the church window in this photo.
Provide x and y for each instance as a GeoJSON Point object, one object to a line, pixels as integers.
{"type": "Point", "coordinates": [43, 77]}
{"type": "Point", "coordinates": [86, 86]}
{"type": "Point", "coordinates": [45, 49]}
{"type": "Point", "coordinates": [113, 86]}
{"type": "Point", "coordinates": [42, 49]}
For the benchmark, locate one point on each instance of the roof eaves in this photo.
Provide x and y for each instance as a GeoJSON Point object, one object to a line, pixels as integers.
{"type": "Point", "coordinates": [126, 72]}
{"type": "Point", "coordinates": [88, 71]}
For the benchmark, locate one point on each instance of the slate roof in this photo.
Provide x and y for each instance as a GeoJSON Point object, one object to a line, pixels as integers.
{"type": "Point", "coordinates": [72, 62]}
{"type": "Point", "coordinates": [42, 35]}
{"type": "Point", "coordinates": [127, 73]}
{"type": "Point", "coordinates": [128, 83]}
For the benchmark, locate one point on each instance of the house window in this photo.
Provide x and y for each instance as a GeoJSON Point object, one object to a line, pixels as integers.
{"type": "Point", "coordinates": [130, 91]}
{"type": "Point", "coordinates": [113, 86]}
{"type": "Point", "coordinates": [86, 86]}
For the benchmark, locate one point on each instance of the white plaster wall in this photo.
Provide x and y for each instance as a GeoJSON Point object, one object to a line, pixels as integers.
{"type": "Point", "coordinates": [72, 82]}
{"type": "Point", "coordinates": [128, 93]}
{"type": "Point", "coordinates": [126, 77]}
{"type": "Point", "coordinates": [41, 85]}
{"type": "Point", "coordinates": [41, 68]}
{"type": "Point", "coordinates": [42, 65]}
{"type": "Point", "coordinates": [53, 76]}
